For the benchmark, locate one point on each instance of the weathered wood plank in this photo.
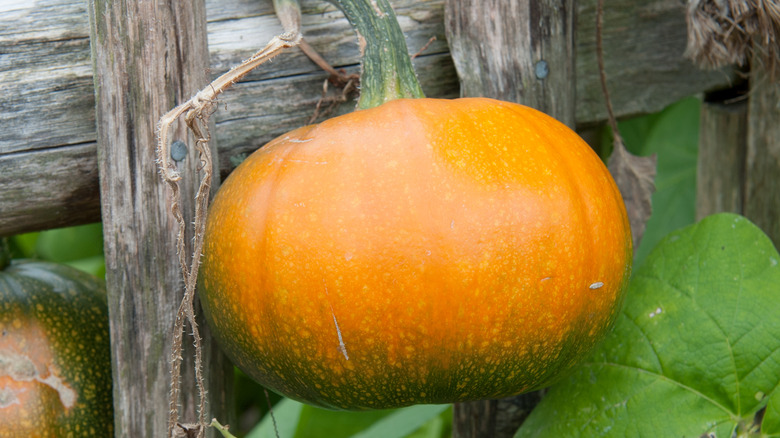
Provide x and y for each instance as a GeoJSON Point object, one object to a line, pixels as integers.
{"type": "Point", "coordinates": [47, 100]}
{"type": "Point", "coordinates": [739, 155]}
{"type": "Point", "coordinates": [34, 175]}
{"type": "Point", "coordinates": [762, 185]}
{"type": "Point", "coordinates": [516, 51]}
{"type": "Point", "coordinates": [130, 39]}
{"type": "Point", "coordinates": [47, 97]}
{"type": "Point", "coordinates": [720, 173]}
{"type": "Point", "coordinates": [644, 43]}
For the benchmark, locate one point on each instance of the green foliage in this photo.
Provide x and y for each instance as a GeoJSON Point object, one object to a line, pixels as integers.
{"type": "Point", "coordinates": [771, 424]}
{"type": "Point", "coordinates": [696, 349]}
{"type": "Point", "coordinates": [80, 247]}
{"type": "Point", "coordinates": [250, 400]}
{"type": "Point", "coordinates": [297, 420]}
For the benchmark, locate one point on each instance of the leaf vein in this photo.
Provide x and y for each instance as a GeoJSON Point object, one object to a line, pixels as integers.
{"type": "Point", "coordinates": [666, 379]}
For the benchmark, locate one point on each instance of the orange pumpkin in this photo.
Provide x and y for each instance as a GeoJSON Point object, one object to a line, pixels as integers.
{"type": "Point", "coordinates": [423, 251]}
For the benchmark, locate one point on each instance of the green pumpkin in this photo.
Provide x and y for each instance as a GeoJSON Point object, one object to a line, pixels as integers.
{"type": "Point", "coordinates": [55, 352]}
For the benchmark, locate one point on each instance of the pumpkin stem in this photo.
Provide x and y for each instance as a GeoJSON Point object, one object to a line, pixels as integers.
{"type": "Point", "coordinates": [387, 71]}
{"type": "Point", "coordinates": [5, 253]}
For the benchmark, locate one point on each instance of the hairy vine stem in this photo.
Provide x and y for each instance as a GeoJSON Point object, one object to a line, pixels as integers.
{"type": "Point", "coordinates": [196, 112]}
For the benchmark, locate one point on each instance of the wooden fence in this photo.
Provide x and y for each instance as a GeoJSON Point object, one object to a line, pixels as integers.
{"type": "Point", "coordinates": [48, 160]}
{"type": "Point", "coordinates": [147, 56]}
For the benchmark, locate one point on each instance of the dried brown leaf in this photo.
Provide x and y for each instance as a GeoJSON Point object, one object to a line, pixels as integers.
{"type": "Point", "coordinates": [635, 177]}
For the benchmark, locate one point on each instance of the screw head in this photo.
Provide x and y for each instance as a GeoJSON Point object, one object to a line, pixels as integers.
{"type": "Point", "coordinates": [541, 69]}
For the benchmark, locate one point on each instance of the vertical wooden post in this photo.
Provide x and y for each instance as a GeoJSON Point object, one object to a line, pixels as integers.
{"type": "Point", "coordinates": [523, 52]}
{"type": "Point", "coordinates": [739, 156]}
{"type": "Point", "coordinates": [762, 185]}
{"type": "Point", "coordinates": [147, 57]}
{"type": "Point", "coordinates": [720, 181]}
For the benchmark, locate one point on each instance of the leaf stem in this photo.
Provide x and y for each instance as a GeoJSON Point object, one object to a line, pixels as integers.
{"type": "Point", "coordinates": [222, 429]}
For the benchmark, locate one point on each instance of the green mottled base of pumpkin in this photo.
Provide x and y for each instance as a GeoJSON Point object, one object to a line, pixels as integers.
{"type": "Point", "coordinates": [361, 383]}
{"type": "Point", "coordinates": [68, 308]}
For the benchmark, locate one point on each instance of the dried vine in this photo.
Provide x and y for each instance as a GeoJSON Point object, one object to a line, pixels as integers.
{"type": "Point", "coordinates": [196, 112]}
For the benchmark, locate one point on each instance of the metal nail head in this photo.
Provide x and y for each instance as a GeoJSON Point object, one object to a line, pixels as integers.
{"type": "Point", "coordinates": [541, 69]}
{"type": "Point", "coordinates": [178, 150]}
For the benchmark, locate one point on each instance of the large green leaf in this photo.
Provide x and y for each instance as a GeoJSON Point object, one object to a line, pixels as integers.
{"type": "Point", "coordinates": [696, 349]}
{"type": "Point", "coordinates": [72, 243]}
{"type": "Point", "coordinates": [321, 423]}
{"type": "Point", "coordinates": [439, 426]}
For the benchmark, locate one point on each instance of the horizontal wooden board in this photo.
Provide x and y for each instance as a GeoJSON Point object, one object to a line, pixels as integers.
{"type": "Point", "coordinates": [49, 188]}
{"type": "Point", "coordinates": [47, 100]}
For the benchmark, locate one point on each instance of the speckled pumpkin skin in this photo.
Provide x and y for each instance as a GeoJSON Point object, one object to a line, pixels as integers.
{"type": "Point", "coordinates": [424, 251]}
{"type": "Point", "coordinates": [55, 354]}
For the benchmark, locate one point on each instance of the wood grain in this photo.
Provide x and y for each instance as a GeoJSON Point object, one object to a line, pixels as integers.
{"type": "Point", "coordinates": [739, 154]}
{"type": "Point", "coordinates": [516, 51]}
{"type": "Point", "coordinates": [33, 175]}
{"type": "Point", "coordinates": [720, 173]}
{"type": "Point", "coordinates": [762, 185]}
{"type": "Point", "coordinates": [47, 99]}
{"type": "Point", "coordinates": [643, 46]}
{"type": "Point", "coordinates": [493, 418]}
{"type": "Point", "coordinates": [134, 88]}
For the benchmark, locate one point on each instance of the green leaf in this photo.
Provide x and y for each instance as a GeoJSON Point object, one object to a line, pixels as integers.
{"type": "Point", "coordinates": [771, 424]}
{"type": "Point", "coordinates": [23, 245]}
{"type": "Point", "coordinates": [695, 350]}
{"type": "Point", "coordinates": [95, 265]}
{"type": "Point", "coordinates": [80, 247]}
{"type": "Point", "coordinates": [298, 420]}
{"type": "Point", "coordinates": [284, 421]}
{"type": "Point", "coordinates": [323, 423]}
{"type": "Point", "coordinates": [439, 426]}
{"type": "Point", "coordinates": [72, 243]}
{"type": "Point", "coordinates": [402, 422]}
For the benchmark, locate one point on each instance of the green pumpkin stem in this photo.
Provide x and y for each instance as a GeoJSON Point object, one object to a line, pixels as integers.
{"type": "Point", "coordinates": [387, 71]}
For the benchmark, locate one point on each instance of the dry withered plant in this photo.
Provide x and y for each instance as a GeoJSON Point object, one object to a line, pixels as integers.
{"type": "Point", "coordinates": [734, 32]}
